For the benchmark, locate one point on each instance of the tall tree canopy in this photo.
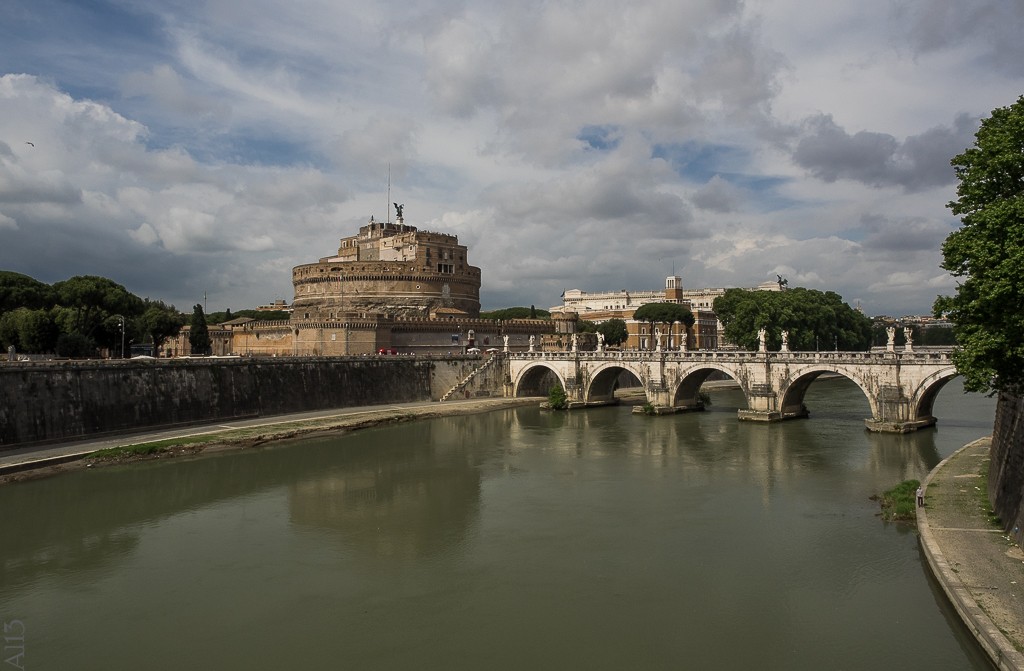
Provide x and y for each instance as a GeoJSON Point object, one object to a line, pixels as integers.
{"type": "Point", "coordinates": [987, 252]}
{"type": "Point", "coordinates": [160, 322]}
{"type": "Point", "coordinates": [664, 313]}
{"type": "Point", "coordinates": [614, 331]}
{"type": "Point", "coordinates": [22, 291]}
{"type": "Point", "coordinates": [93, 299]}
{"type": "Point", "coordinates": [814, 319]}
{"type": "Point", "coordinates": [76, 316]}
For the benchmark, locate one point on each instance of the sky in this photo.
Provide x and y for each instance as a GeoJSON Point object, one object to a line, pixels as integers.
{"type": "Point", "coordinates": [195, 151]}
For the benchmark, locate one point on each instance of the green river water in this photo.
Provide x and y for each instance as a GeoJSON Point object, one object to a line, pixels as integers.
{"type": "Point", "coordinates": [515, 539]}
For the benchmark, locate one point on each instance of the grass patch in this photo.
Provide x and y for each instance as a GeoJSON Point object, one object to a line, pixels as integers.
{"type": "Point", "coordinates": [147, 449]}
{"type": "Point", "coordinates": [899, 504]}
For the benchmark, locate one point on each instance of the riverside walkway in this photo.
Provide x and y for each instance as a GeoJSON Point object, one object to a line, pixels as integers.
{"type": "Point", "coordinates": [980, 568]}
{"type": "Point", "coordinates": [269, 427]}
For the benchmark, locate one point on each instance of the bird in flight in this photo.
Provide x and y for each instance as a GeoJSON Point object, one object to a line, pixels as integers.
{"type": "Point", "coordinates": [30, 143]}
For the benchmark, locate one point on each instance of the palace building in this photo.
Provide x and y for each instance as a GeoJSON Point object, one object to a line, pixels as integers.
{"type": "Point", "coordinates": [705, 334]}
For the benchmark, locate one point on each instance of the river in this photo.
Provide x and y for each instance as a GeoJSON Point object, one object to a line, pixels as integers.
{"type": "Point", "coordinates": [514, 539]}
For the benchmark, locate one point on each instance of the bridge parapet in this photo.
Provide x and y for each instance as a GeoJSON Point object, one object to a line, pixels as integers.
{"type": "Point", "coordinates": [900, 385]}
{"type": "Point", "coordinates": [918, 355]}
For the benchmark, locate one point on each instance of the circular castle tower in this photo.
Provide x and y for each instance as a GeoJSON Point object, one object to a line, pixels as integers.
{"type": "Point", "coordinates": [392, 269]}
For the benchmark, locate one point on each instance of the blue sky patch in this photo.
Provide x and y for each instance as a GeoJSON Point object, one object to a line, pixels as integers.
{"type": "Point", "coordinates": [601, 138]}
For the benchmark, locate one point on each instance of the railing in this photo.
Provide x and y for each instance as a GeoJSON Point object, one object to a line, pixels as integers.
{"type": "Point", "coordinates": [917, 356]}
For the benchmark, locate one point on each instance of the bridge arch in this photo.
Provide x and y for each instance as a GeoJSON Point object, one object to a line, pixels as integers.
{"type": "Point", "coordinates": [791, 397]}
{"type": "Point", "coordinates": [687, 391]}
{"type": "Point", "coordinates": [604, 380]}
{"type": "Point", "coordinates": [536, 379]}
{"type": "Point", "coordinates": [923, 396]}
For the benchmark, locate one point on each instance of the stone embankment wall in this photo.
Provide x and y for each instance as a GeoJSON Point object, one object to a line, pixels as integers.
{"type": "Point", "coordinates": [1006, 468]}
{"type": "Point", "coordinates": [48, 402]}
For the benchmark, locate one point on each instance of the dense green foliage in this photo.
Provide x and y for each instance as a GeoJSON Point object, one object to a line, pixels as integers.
{"type": "Point", "coordinates": [77, 316]}
{"type": "Point", "coordinates": [22, 291]}
{"type": "Point", "coordinates": [160, 322]}
{"type": "Point", "coordinates": [815, 320]}
{"type": "Point", "coordinates": [614, 331]}
{"type": "Point", "coordinates": [664, 313]}
{"type": "Point", "coordinates": [585, 326]}
{"type": "Point", "coordinates": [515, 313]}
{"type": "Point", "coordinates": [557, 400]}
{"type": "Point", "coordinates": [199, 332]}
{"type": "Point", "coordinates": [987, 253]}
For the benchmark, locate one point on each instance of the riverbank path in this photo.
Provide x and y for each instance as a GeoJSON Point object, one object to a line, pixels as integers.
{"type": "Point", "coordinates": [39, 456]}
{"type": "Point", "coordinates": [980, 568]}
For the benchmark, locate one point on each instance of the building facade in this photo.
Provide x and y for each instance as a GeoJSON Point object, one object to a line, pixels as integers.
{"type": "Point", "coordinates": [706, 332]}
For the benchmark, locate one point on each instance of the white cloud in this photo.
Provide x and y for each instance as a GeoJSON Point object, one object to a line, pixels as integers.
{"type": "Point", "coordinates": [725, 140]}
{"type": "Point", "coordinates": [7, 222]}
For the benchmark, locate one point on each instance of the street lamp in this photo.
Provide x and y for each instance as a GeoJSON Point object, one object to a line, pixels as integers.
{"type": "Point", "coordinates": [121, 319]}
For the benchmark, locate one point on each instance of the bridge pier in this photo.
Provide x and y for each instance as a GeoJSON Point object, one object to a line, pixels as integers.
{"type": "Point", "coordinates": [664, 403]}
{"type": "Point", "coordinates": [763, 406]}
{"type": "Point", "coordinates": [882, 426]}
{"type": "Point", "coordinates": [895, 413]}
{"type": "Point", "coordinates": [900, 386]}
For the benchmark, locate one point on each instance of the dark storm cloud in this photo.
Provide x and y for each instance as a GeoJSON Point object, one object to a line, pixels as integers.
{"type": "Point", "coordinates": [920, 162]}
{"type": "Point", "coordinates": [903, 235]}
{"type": "Point", "coordinates": [991, 28]}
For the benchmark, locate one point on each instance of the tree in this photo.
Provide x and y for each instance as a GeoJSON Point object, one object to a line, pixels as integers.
{"type": "Point", "coordinates": [987, 252]}
{"type": "Point", "coordinates": [664, 313]}
{"type": "Point", "coordinates": [29, 330]}
{"type": "Point", "coordinates": [614, 331]}
{"type": "Point", "coordinates": [199, 333]}
{"type": "Point", "coordinates": [92, 300]}
{"type": "Point", "coordinates": [557, 399]}
{"type": "Point", "coordinates": [161, 322]}
{"type": "Point", "coordinates": [814, 319]}
{"type": "Point", "coordinates": [21, 291]}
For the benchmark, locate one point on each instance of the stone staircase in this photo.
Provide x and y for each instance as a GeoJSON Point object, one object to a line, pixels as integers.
{"type": "Point", "coordinates": [489, 363]}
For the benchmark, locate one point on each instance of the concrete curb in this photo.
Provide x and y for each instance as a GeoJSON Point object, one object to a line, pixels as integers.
{"type": "Point", "coordinates": [998, 647]}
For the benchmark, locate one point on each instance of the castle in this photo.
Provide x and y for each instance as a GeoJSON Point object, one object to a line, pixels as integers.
{"type": "Point", "coordinates": [390, 289]}
{"type": "Point", "coordinates": [393, 269]}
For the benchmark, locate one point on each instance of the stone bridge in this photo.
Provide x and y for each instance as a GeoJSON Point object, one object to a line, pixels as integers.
{"type": "Point", "coordinates": [900, 385]}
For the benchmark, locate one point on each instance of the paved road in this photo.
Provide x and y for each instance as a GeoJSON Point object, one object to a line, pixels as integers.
{"type": "Point", "coordinates": [979, 567]}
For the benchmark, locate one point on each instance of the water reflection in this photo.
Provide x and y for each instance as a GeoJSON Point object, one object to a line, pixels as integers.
{"type": "Point", "coordinates": [416, 498]}
{"type": "Point", "coordinates": [434, 544]}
